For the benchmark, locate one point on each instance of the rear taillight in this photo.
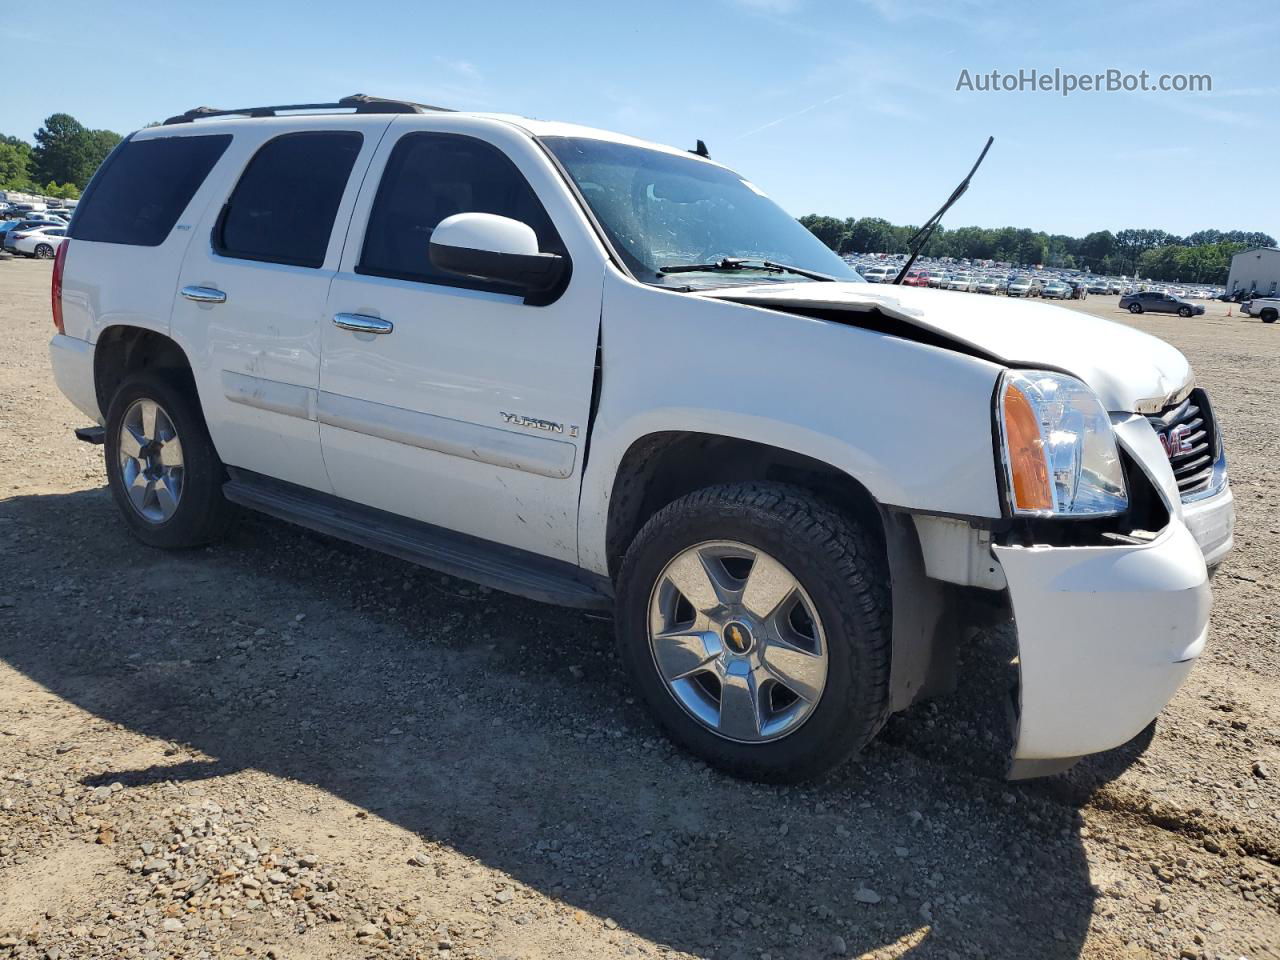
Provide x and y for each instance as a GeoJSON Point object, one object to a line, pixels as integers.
{"type": "Point", "coordinates": [59, 262]}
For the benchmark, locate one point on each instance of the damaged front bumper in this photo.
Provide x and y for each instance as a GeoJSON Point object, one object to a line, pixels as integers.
{"type": "Point", "coordinates": [1106, 635]}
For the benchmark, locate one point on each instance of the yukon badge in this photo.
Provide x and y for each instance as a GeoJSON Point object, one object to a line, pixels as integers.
{"type": "Point", "coordinates": [550, 426]}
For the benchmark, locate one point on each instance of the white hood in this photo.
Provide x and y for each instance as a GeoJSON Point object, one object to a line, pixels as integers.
{"type": "Point", "coordinates": [1130, 371]}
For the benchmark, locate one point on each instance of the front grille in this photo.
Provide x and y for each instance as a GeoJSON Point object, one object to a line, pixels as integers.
{"type": "Point", "coordinates": [1190, 437]}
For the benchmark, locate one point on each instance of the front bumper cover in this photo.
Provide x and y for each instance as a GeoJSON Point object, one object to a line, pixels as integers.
{"type": "Point", "coordinates": [1106, 635]}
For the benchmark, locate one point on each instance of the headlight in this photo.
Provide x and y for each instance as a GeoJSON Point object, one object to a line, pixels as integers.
{"type": "Point", "coordinates": [1059, 450]}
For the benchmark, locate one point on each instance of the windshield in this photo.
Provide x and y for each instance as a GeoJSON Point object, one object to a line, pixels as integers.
{"type": "Point", "coordinates": [661, 210]}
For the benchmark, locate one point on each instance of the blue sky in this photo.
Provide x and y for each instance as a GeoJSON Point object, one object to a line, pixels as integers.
{"type": "Point", "coordinates": [848, 108]}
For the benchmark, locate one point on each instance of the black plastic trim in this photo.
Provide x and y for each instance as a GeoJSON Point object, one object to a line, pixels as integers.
{"type": "Point", "coordinates": [490, 564]}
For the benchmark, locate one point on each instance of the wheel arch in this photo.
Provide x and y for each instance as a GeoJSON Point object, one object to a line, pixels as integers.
{"type": "Point", "coordinates": [123, 350]}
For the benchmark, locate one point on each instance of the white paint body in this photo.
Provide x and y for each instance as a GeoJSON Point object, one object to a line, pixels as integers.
{"type": "Point", "coordinates": [473, 414]}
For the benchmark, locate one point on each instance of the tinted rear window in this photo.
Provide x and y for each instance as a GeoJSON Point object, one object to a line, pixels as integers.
{"type": "Point", "coordinates": [143, 187]}
{"type": "Point", "coordinates": [283, 208]}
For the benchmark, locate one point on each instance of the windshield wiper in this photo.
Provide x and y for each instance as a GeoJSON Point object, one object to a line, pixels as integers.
{"type": "Point", "coordinates": [744, 263]}
{"type": "Point", "coordinates": [917, 242]}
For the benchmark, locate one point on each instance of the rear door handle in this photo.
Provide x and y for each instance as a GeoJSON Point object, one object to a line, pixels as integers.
{"type": "Point", "coordinates": [204, 294]}
{"type": "Point", "coordinates": [359, 323]}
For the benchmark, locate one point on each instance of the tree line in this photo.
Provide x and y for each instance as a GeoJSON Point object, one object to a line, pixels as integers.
{"type": "Point", "coordinates": [1201, 257]}
{"type": "Point", "coordinates": [59, 163]}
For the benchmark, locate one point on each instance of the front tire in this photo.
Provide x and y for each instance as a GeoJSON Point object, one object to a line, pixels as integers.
{"type": "Point", "coordinates": [162, 468]}
{"type": "Point", "coordinates": [754, 621]}
{"type": "Point", "coordinates": [1184, 312]}
{"type": "Point", "coordinates": [1269, 316]}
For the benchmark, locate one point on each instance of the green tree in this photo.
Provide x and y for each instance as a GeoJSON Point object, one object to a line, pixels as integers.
{"type": "Point", "coordinates": [15, 164]}
{"type": "Point", "coordinates": [829, 230]}
{"type": "Point", "coordinates": [68, 152]}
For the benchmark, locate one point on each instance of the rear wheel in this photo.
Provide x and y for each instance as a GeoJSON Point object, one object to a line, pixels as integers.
{"type": "Point", "coordinates": [1269, 316]}
{"type": "Point", "coordinates": [44, 252]}
{"type": "Point", "coordinates": [1135, 308]}
{"type": "Point", "coordinates": [161, 465]}
{"type": "Point", "coordinates": [754, 621]}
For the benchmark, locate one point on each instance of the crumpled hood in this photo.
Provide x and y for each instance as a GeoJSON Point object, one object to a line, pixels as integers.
{"type": "Point", "coordinates": [1130, 371]}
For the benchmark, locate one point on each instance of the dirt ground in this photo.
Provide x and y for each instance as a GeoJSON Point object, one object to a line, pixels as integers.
{"type": "Point", "coordinates": [287, 747]}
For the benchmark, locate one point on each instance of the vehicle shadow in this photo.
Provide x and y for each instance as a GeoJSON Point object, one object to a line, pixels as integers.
{"type": "Point", "coordinates": [503, 729]}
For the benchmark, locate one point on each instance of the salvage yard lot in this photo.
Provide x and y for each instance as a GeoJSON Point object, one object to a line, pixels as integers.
{"type": "Point", "coordinates": [287, 746]}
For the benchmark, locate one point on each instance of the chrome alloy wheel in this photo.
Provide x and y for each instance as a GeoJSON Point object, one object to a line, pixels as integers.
{"type": "Point", "coordinates": [737, 641]}
{"type": "Point", "coordinates": [151, 468]}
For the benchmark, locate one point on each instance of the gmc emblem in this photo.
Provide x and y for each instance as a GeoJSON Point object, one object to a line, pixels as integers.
{"type": "Point", "coordinates": [1176, 440]}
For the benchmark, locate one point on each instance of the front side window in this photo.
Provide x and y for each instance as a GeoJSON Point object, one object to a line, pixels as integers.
{"type": "Point", "coordinates": [662, 209]}
{"type": "Point", "coordinates": [283, 208]}
{"type": "Point", "coordinates": [431, 176]}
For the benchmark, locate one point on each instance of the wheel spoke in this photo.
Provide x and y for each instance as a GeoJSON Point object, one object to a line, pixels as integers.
{"type": "Point", "coordinates": [166, 497]}
{"type": "Point", "coordinates": [689, 574]}
{"type": "Point", "coordinates": [171, 453]}
{"type": "Point", "coordinates": [768, 585]}
{"type": "Point", "coordinates": [138, 489]}
{"type": "Point", "coordinates": [147, 409]}
{"type": "Point", "coordinates": [739, 705]}
{"type": "Point", "coordinates": [130, 442]}
{"type": "Point", "coordinates": [801, 672]}
{"type": "Point", "coordinates": [680, 654]}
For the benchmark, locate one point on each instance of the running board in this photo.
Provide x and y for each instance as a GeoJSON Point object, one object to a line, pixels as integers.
{"type": "Point", "coordinates": [446, 551]}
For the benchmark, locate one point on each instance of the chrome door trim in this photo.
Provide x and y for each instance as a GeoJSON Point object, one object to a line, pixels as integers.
{"type": "Point", "coordinates": [359, 323]}
{"type": "Point", "coordinates": [455, 438]}
{"type": "Point", "coordinates": [203, 294]}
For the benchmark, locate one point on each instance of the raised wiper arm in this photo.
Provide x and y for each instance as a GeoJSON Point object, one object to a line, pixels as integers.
{"type": "Point", "coordinates": [744, 263]}
{"type": "Point", "coordinates": [917, 242]}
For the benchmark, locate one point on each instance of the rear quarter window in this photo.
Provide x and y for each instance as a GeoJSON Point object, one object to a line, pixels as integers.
{"type": "Point", "coordinates": [143, 187]}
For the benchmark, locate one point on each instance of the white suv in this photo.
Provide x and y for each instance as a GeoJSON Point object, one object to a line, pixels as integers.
{"type": "Point", "coordinates": [605, 373]}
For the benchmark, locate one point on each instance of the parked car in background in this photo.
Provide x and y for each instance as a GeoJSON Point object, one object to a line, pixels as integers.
{"type": "Point", "coordinates": [988, 285]}
{"type": "Point", "coordinates": [1265, 309]}
{"type": "Point", "coordinates": [1055, 290]}
{"type": "Point", "coordinates": [41, 243]}
{"type": "Point", "coordinates": [916, 278]}
{"type": "Point", "coordinates": [878, 273]}
{"type": "Point", "coordinates": [16, 226]}
{"type": "Point", "coordinates": [1153, 301]}
{"type": "Point", "coordinates": [1020, 287]}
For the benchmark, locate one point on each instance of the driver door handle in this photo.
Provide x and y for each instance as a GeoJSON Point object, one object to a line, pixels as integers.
{"type": "Point", "coordinates": [359, 323]}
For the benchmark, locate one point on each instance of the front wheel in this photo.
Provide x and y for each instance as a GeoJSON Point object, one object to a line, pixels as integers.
{"type": "Point", "coordinates": [162, 468]}
{"type": "Point", "coordinates": [1269, 316]}
{"type": "Point", "coordinates": [1135, 308]}
{"type": "Point", "coordinates": [1184, 312]}
{"type": "Point", "coordinates": [753, 620]}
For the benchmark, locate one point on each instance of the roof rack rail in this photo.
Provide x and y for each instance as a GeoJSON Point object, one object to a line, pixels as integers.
{"type": "Point", "coordinates": [357, 102]}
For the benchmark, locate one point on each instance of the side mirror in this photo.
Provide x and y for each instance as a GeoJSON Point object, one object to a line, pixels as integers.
{"type": "Point", "coordinates": [489, 247]}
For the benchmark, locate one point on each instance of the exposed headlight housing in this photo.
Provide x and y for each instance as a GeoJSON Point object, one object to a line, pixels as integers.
{"type": "Point", "coordinates": [1059, 450]}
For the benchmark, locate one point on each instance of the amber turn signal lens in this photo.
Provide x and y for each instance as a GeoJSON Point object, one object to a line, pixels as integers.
{"type": "Point", "coordinates": [1028, 470]}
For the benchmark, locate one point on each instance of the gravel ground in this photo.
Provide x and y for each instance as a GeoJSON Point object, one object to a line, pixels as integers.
{"type": "Point", "coordinates": [287, 747]}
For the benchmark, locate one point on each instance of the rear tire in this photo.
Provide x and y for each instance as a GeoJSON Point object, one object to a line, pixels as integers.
{"type": "Point", "coordinates": [44, 252]}
{"type": "Point", "coordinates": [164, 474]}
{"type": "Point", "coordinates": [837, 573]}
{"type": "Point", "coordinates": [1269, 316]}
{"type": "Point", "coordinates": [1135, 308]}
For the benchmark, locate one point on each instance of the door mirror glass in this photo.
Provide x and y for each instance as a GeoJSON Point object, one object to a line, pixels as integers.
{"type": "Point", "coordinates": [486, 246]}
